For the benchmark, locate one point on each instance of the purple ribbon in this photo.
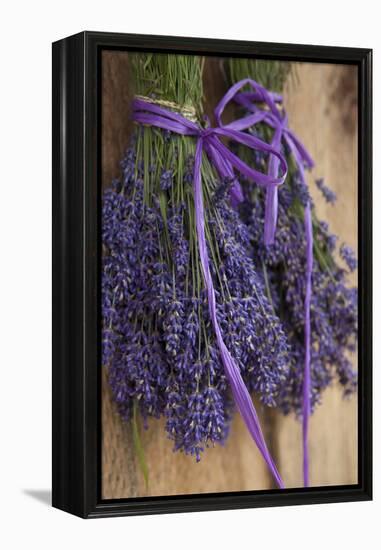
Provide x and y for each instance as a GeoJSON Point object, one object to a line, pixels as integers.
{"type": "Point", "coordinates": [208, 140]}
{"type": "Point", "coordinates": [278, 121]}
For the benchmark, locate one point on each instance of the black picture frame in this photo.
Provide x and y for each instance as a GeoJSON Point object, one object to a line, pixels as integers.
{"type": "Point", "coordinates": [76, 260]}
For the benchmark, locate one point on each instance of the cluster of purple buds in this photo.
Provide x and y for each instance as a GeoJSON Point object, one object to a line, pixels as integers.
{"type": "Point", "coordinates": [159, 346]}
{"type": "Point", "coordinates": [333, 304]}
{"type": "Point", "coordinates": [327, 193]}
{"type": "Point", "coordinates": [348, 256]}
{"type": "Point", "coordinates": [166, 180]}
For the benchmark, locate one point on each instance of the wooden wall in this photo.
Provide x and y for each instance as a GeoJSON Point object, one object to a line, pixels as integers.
{"type": "Point", "coordinates": [321, 104]}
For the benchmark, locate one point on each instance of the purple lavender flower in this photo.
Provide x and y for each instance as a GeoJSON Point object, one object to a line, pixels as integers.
{"type": "Point", "coordinates": [159, 345]}
{"type": "Point", "coordinates": [300, 191]}
{"type": "Point", "coordinates": [327, 193]}
{"type": "Point", "coordinates": [173, 327]}
{"type": "Point", "coordinates": [179, 243]}
{"type": "Point", "coordinates": [348, 256]}
{"type": "Point", "coordinates": [166, 180]}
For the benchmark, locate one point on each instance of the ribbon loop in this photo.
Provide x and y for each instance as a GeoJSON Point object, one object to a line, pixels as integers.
{"type": "Point", "coordinates": [224, 159]}
{"type": "Point", "coordinates": [233, 91]}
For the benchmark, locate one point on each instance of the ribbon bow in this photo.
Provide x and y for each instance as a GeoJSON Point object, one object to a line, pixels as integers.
{"type": "Point", "coordinates": [208, 140]}
{"type": "Point", "coordinates": [279, 122]}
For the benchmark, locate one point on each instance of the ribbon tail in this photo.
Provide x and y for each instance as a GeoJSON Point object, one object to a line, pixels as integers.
{"type": "Point", "coordinates": [271, 203]}
{"type": "Point", "coordinates": [271, 208]}
{"type": "Point", "coordinates": [240, 393]}
{"type": "Point", "coordinates": [307, 341]}
{"type": "Point", "coordinates": [298, 149]}
{"type": "Point", "coordinates": [236, 194]}
{"type": "Point", "coordinates": [245, 406]}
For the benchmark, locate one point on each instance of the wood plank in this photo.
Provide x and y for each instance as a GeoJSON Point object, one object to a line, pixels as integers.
{"type": "Point", "coordinates": [322, 110]}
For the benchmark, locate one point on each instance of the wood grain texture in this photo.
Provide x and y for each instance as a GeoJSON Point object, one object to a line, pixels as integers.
{"type": "Point", "coordinates": [322, 110]}
{"type": "Point", "coordinates": [117, 93]}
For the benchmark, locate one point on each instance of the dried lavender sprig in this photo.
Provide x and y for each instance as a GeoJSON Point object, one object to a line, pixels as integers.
{"type": "Point", "coordinates": [327, 193]}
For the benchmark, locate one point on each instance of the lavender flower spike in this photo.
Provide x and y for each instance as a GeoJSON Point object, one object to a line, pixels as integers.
{"type": "Point", "coordinates": [327, 193]}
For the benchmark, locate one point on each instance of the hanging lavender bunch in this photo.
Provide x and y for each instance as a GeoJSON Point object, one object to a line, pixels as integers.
{"type": "Point", "coordinates": [159, 345]}
{"type": "Point", "coordinates": [283, 264]}
{"type": "Point", "coordinates": [333, 303]}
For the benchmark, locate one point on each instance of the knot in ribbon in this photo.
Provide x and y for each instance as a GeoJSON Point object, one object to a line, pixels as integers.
{"type": "Point", "coordinates": [224, 161]}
